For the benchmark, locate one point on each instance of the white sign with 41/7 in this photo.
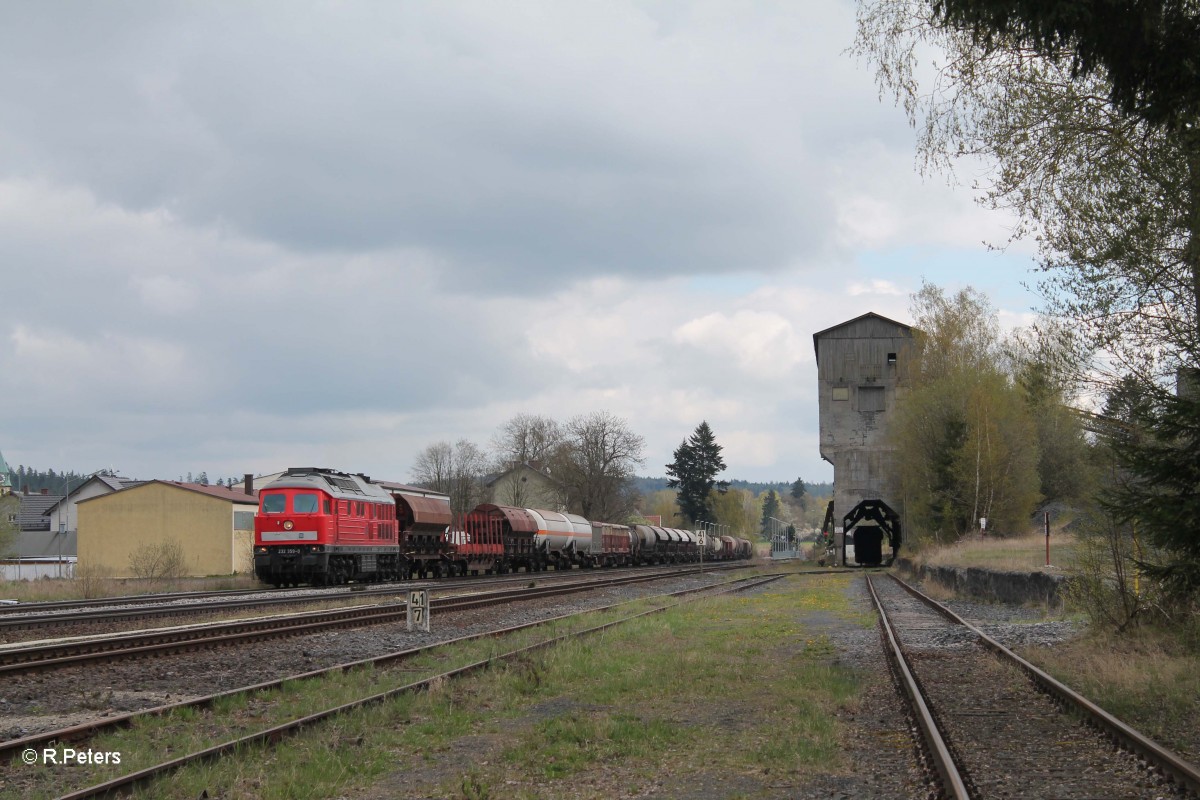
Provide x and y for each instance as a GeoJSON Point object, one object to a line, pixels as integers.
{"type": "Point", "coordinates": [418, 609]}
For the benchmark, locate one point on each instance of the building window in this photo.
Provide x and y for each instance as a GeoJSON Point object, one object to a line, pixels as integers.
{"type": "Point", "coordinates": [841, 393]}
{"type": "Point", "coordinates": [243, 520]}
{"type": "Point", "coordinates": [891, 359]}
{"type": "Point", "coordinates": [870, 398]}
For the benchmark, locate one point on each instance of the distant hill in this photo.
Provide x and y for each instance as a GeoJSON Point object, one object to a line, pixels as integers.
{"type": "Point", "coordinates": [648, 485]}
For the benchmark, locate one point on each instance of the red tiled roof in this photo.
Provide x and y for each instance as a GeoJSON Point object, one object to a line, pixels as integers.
{"type": "Point", "coordinates": [237, 495]}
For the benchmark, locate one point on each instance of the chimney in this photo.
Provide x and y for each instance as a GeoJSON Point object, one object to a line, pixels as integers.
{"type": "Point", "coordinates": [249, 480]}
{"type": "Point", "coordinates": [25, 489]}
{"type": "Point", "coordinates": [45, 491]}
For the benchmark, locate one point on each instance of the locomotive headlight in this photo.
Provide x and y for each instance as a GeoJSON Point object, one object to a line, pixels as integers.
{"type": "Point", "coordinates": [287, 525]}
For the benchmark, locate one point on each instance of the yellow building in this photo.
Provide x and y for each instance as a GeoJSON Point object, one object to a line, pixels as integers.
{"type": "Point", "coordinates": [213, 526]}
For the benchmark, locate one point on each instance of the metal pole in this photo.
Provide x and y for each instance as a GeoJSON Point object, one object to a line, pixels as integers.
{"type": "Point", "coordinates": [1047, 513]}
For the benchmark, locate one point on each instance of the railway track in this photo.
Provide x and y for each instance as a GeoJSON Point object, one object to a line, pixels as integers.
{"type": "Point", "coordinates": [277, 733]}
{"type": "Point", "coordinates": [13, 608]}
{"type": "Point", "coordinates": [36, 616]}
{"type": "Point", "coordinates": [42, 657]}
{"type": "Point", "coordinates": [996, 726]}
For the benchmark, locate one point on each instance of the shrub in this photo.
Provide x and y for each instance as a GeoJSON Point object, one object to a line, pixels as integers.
{"type": "Point", "coordinates": [158, 561]}
{"type": "Point", "coordinates": [90, 579]}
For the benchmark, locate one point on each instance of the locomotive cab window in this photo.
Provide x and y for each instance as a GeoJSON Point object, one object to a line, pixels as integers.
{"type": "Point", "coordinates": [304, 503]}
{"type": "Point", "coordinates": [274, 503]}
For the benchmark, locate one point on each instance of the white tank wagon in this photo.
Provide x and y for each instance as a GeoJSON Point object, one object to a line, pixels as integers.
{"type": "Point", "coordinates": [561, 539]}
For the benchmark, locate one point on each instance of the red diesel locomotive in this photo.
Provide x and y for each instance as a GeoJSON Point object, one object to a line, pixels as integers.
{"type": "Point", "coordinates": [320, 526]}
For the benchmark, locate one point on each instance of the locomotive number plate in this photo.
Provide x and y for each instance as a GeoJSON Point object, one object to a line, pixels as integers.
{"type": "Point", "coordinates": [288, 551]}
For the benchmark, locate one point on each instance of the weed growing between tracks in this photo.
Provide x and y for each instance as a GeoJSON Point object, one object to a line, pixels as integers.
{"type": "Point", "coordinates": [729, 689]}
{"type": "Point", "coordinates": [1148, 678]}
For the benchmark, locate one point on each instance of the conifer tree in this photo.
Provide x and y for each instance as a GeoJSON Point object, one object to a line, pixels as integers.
{"type": "Point", "coordinates": [799, 492]}
{"type": "Point", "coordinates": [1157, 488]}
{"type": "Point", "coordinates": [693, 473]}
{"type": "Point", "coordinates": [770, 508]}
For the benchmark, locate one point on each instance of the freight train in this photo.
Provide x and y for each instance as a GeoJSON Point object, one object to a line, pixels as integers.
{"type": "Point", "coordinates": [324, 527]}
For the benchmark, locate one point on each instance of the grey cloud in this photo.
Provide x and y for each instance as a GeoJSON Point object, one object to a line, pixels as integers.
{"type": "Point", "coordinates": [365, 130]}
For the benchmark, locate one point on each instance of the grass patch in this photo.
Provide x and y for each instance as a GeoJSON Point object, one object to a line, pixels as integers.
{"type": "Point", "coordinates": [1148, 678]}
{"type": "Point", "coordinates": [1014, 553]}
{"type": "Point", "coordinates": [731, 686]}
{"type": "Point", "coordinates": [49, 589]}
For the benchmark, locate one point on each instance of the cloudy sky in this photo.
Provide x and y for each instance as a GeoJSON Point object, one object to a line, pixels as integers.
{"type": "Point", "coordinates": [236, 237]}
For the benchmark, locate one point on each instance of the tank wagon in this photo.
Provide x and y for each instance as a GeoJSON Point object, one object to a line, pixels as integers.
{"type": "Point", "coordinates": [321, 526]}
{"type": "Point", "coordinates": [659, 545]}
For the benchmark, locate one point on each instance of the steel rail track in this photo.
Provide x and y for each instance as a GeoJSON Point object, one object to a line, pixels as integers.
{"type": "Point", "coordinates": [9, 608]}
{"type": "Point", "coordinates": [935, 747]}
{"type": "Point", "coordinates": [84, 731]}
{"type": "Point", "coordinates": [51, 656]}
{"type": "Point", "coordinates": [27, 616]}
{"type": "Point", "coordinates": [34, 622]}
{"type": "Point", "coordinates": [276, 733]}
{"type": "Point", "coordinates": [1180, 770]}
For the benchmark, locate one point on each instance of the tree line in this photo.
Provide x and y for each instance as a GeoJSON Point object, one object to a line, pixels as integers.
{"type": "Point", "coordinates": [37, 479]}
{"type": "Point", "coordinates": [65, 482]}
{"type": "Point", "coordinates": [589, 463]}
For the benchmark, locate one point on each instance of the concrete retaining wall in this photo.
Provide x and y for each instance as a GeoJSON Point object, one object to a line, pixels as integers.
{"type": "Point", "coordinates": [984, 584]}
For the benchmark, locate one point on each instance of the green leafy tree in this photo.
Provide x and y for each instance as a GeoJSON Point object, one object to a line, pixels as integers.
{"type": "Point", "coordinates": [738, 509]}
{"type": "Point", "coordinates": [963, 433]}
{"type": "Point", "coordinates": [8, 529]}
{"type": "Point", "coordinates": [1089, 114]}
{"type": "Point", "coordinates": [1107, 184]}
{"type": "Point", "coordinates": [694, 473]}
{"type": "Point", "coordinates": [662, 504]}
{"type": "Point", "coordinates": [1044, 359]}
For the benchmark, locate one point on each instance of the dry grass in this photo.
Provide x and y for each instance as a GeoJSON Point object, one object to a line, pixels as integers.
{"type": "Point", "coordinates": [93, 586]}
{"type": "Point", "coordinates": [1148, 678]}
{"type": "Point", "coordinates": [1014, 553]}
